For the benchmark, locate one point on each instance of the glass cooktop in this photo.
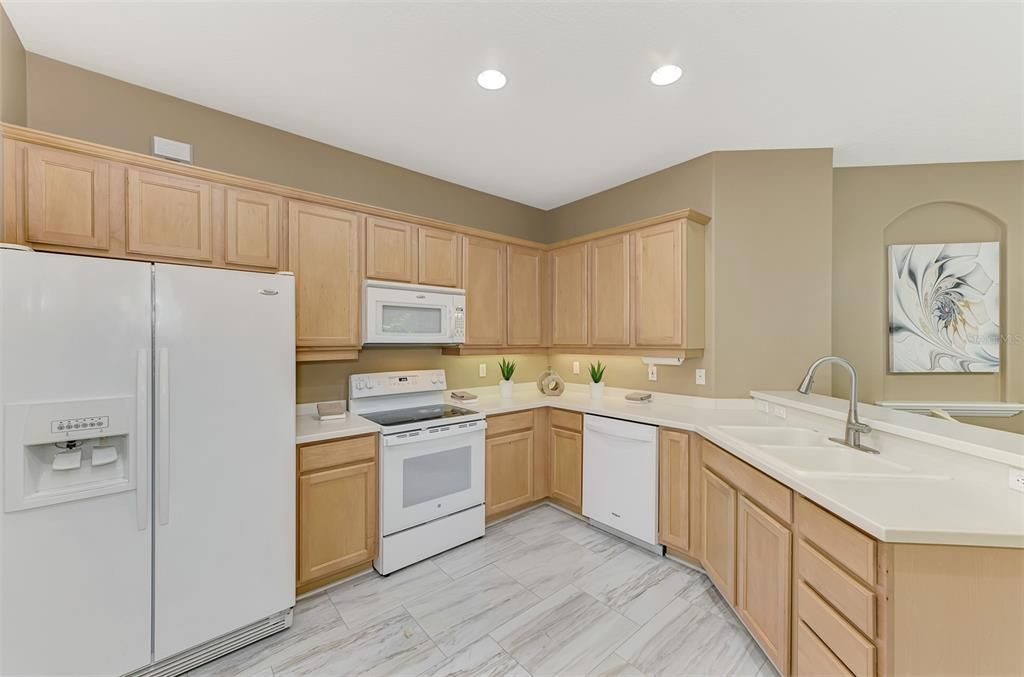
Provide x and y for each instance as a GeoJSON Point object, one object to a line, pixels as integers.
{"type": "Point", "coordinates": [416, 414]}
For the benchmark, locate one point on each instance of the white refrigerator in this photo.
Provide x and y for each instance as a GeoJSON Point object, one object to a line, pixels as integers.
{"type": "Point", "coordinates": [148, 471]}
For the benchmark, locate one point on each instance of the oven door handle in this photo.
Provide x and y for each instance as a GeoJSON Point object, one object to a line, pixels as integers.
{"type": "Point", "coordinates": [431, 434]}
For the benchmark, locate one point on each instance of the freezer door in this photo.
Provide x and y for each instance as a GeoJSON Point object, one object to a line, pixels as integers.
{"type": "Point", "coordinates": [225, 452]}
{"type": "Point", "coordinates": [75, 542]}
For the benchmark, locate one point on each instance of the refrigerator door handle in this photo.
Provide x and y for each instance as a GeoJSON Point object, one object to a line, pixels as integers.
{"type": "Point", "coordinates": [142, 440]}
{"type": "Point", "coordinates": [163, 456]}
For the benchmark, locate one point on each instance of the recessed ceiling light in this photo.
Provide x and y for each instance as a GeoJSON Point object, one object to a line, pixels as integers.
{"type": "Point", "coordinates": [491, 79]}
{"type": "Point", "coordinates": [666, 75]}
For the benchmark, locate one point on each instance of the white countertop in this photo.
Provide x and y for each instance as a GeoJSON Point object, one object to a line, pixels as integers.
{"type": "Point", "coordinates": [309, 429]}
{"type": "Point", "coordinates": [974, 506]}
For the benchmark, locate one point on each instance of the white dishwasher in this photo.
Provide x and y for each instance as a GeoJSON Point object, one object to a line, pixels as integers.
{"type": "Point", "coordinates": [620, 476]}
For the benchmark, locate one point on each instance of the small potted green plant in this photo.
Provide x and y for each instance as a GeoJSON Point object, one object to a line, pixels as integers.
{"type": "Point", "coordinates": [507, 367]}
{"type": "Point", "coordinates": [597, 380]}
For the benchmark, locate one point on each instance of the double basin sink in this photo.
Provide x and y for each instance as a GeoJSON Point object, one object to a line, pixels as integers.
{"type": "Point", "coordinates": [809, 453]}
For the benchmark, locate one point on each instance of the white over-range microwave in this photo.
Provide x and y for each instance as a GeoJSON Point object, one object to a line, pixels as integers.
{"type": "Point", "coordinates": [398, 313]}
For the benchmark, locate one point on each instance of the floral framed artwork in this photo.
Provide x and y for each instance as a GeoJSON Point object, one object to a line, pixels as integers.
{"type": "Point", "coordinates": [944, 308]}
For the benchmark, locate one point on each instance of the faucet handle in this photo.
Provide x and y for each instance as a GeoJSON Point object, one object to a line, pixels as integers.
{"type": "Point", "coordinates": [859, 427]}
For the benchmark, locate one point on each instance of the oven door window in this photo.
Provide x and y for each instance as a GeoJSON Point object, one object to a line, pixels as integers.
{"type": "Point", "coordinates": [433, 476]}
{"type": "Point", "coordinates": [398, 320]}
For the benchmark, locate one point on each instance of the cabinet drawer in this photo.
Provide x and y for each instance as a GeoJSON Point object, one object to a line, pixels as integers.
{"type": "Point", "coordinates": [852, 648]}
{"type": "Point", "coordinates": [775, 497]}
{"type": "Point", "coordinates": [567, 420]}
{"type": "Point", "coordinates": [337, 452]}
{"type": "Point", "coordinates": [506, 423]}
{"type": "Point", "coordinates": [841, 590]}
{"type": "Point", "coordinates": [840, 541]}
{"type": "Point", "coordinates": [813, 658]}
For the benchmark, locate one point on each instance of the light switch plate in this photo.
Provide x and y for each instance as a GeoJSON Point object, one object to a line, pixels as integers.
{"type": "Point", "coordinates": [575, 366]}
{"type": "Point", "coordinates": [762, 406]}
{"type": "Point", "coordinates": [779, 410]}
{"type": "Point", "coordinates": [702, 377]}
{"type": "Point", "coordinates": [652, 372]}
{"type": "Point", "coordinates": [483, 369]}
{"type": "Point", "coordinates": [1017, 479]}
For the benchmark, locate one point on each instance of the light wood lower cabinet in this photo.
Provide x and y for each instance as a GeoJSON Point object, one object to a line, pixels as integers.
{"type": "Point", "coordinates": [674, 489]}
{"type": "Point", "coordinates": [763, 574]}
{"type": "Point", "coordinates": [509, 468]}
{"type": "Point", "coordinates": [337, 509]}
{"type": "Point", "coordinates": [718, 533]}
{"type": "Point", "coordinates": [325, 249]}
{"type": "Point", "coordinates": [566, 449]}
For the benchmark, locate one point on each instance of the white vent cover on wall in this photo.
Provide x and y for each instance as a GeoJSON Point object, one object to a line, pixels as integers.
{"type": "Point", "coordinates": [172, 150]}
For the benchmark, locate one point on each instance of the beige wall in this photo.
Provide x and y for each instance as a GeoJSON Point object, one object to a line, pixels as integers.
{"type": "Point", "coordinates": [319, 381]}
{"type": "Point", "coordinates": [82, 104]}
{"type": "Point", "coordinates": [878, 206]}
{"type": "Point", "coordinates": [12, 73]}
{"type": "Point", "coordinates": [686, 185]}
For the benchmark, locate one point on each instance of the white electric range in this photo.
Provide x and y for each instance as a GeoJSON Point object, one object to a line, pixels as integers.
{"type": "Point", "coordinates": [431, 465]}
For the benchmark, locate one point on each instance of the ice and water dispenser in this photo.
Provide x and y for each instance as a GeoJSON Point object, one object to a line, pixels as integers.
{"type": "Point", "coordinates": [57, 452]}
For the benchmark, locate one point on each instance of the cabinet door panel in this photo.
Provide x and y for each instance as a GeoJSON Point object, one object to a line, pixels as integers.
{"type": "Point", "coordinates": [324, 253]}
{"type": "Point", "coordinates": [390, 250]}
{"type": "Point", "coordinates": [169, 216]}
{"type": "Point", "coordinates": [674, 489]}
{"type": "Point", "coordinates": [483, 273]}
{"type": "Point", "coordinates": [252, 228]}
{"type": "Point", "coordinates": [566, 449]}
{"type": "Point", "coordinates": [658, 285]}
{"type": "Point", "coordinates": [569, 295]}
{"type": "Point", "coordinates": [718, 533]}
{"type": "Point", "coordinates": [763, 580]}
{"type": "Point", "coordinates": [609, 291]}
{"type": "Point", "coordinates": [67, 200]}
{"type": "Point", "coordinates": [525, 296]}
{"type": "Point", "coordinates": [440, 257]}
{"type": "Point", "coordinates": [337, 520]}
{"type": "Point", "coordinates": [509, 467]}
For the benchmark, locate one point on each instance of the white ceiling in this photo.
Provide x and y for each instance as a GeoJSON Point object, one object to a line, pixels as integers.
{"type": "Point", "coordinates": [882, 83]}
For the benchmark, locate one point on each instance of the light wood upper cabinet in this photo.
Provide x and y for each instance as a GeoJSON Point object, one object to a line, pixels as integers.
{"type": "Point", "coordinates": [609, 291]}
{"type": "Point", "coordinates": [566, 453]}
{"type": "Point", "coordinates": [527, 290]}
{"type": "Point", "coordinates": [569, 302]}
{"type": "Point", "coordinates": [440, 254]}
{"type": "Point", "coordinates": [718, 533]}
{"type": "Point", "coordinates": [252, 228]}
{"type": "Point", "coordinates": [337, 510]}
{"type": "Point", "coordinates": [324, 248]}
{"type": "Point", "coordinates": [668, 285]}
{"type": "Point", "coordinates": [483, 274]}
{"type": "Point", "coordinates": [67, 199]}
{"type": "Point", "coordinates": [674, 489]}
{"type": "Point", "coordinates": [390, 249]}
{"type": "Point", "coordinates": [169, 216]}
{"type": "Point", "coordinates": [764, 572]}
{"type": "Point", "coordinates": [509, 467]}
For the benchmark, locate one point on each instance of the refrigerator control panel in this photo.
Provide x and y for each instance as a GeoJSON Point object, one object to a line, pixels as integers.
{"type": "Point", "coordinates": [76, 424]}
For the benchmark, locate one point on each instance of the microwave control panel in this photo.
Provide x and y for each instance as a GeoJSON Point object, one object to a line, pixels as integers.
{"type": "Point", "coordinates": [459, 330]}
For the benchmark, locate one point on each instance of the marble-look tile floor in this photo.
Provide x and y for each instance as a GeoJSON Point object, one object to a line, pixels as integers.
{"type": "Point", "coordinates": [543, 593]}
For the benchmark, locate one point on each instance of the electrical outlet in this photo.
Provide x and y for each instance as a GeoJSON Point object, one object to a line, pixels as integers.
{"type": "Point", "coordinates": [702, 377]}
{"type": "Point", "coordinates": [1017, 479]}
{"type": "Point", "coordinates": [483, 369]}
{"type": "Point", "coordinates": [762, 406]}
{"type": "Point", "coordinates": [779, 410]}
{"type": "Point", "coordinates": [575, 366]}
{"type": "Point", "coordinates": [652, 372]}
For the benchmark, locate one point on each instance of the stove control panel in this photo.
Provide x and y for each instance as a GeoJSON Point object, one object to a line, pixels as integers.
{"type": "Point", "coordinates": [396, 383]}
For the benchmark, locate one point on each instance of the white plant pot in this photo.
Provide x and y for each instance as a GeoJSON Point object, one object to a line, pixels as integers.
{"type": "Point", "coordinates": [505, 389]}
{"type": "Point", "coordinates": [596, 391]}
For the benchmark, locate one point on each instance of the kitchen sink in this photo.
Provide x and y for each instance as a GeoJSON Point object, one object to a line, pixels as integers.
{"type": "Point", "coordinates": [778, 435]}
{"type": "Point", "coordinates": [809, 453]}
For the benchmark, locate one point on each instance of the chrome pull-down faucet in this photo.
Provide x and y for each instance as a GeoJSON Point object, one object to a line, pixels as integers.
{"type": "Point", "coordinates": [854, 426]}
